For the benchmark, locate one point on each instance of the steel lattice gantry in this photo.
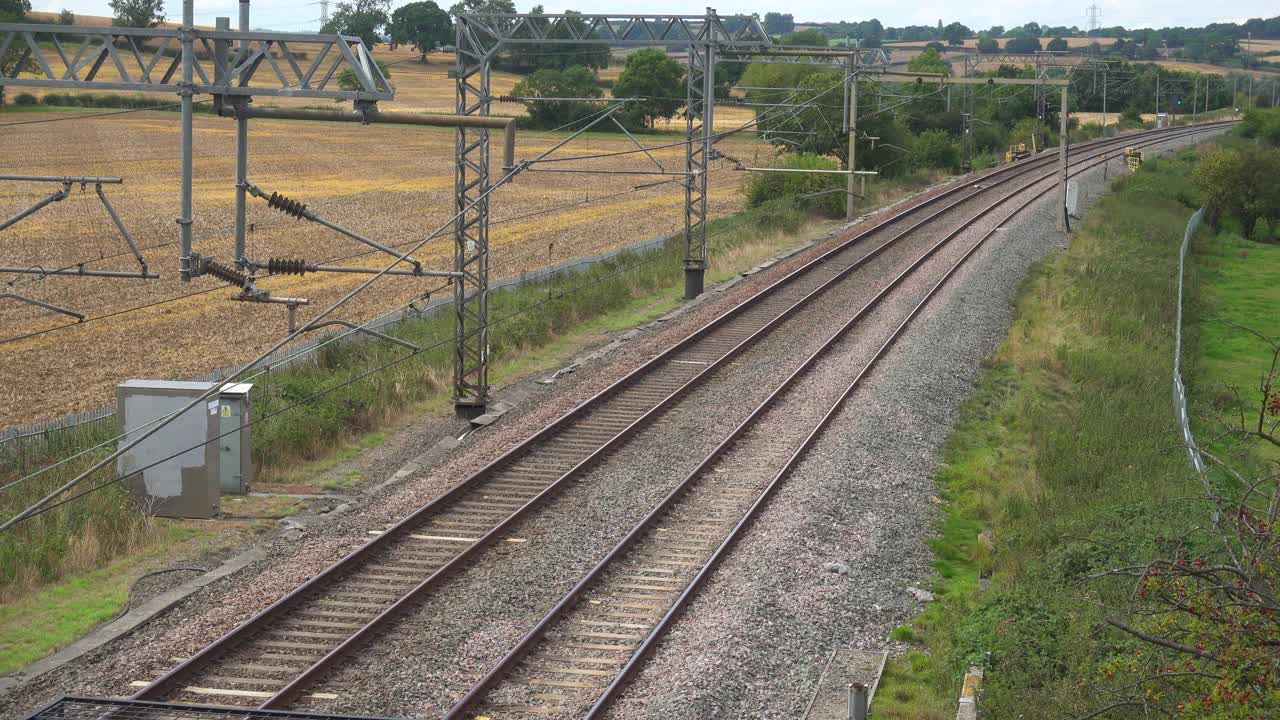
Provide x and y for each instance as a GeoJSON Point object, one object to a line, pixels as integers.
{"type": "Point", "coordinates": [480, 37]}
{"type": "Point", "coordinates": [232, 65]}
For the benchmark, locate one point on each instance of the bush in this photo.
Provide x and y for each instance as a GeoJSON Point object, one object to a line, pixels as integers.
{"type": "Point", "coordinates": [576, 81]}
{"type": "Point", "coordinates": [25, 99]}
{"type": "Point", "coordinates": [983, 160]}
{"type": "Point", "coordinates": [1264, 124]}
{"type": "Point", "coordinates": [819, 192]}
{"type": "Point", "coordinates": [935, 149]}
{"type": "Point", "coordinates": [55, 99]}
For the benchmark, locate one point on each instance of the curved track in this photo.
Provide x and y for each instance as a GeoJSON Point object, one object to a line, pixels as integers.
{"type": "Point", "coordinates": [579, 656]}
{"type": "Point", "coordinates": [277, 655]}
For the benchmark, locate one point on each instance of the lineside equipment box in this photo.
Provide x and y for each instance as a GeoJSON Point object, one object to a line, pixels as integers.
{"type": "Point", "coordinates": [186, 484]}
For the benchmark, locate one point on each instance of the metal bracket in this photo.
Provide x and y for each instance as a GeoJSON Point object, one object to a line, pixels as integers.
{"type": "Point", "coordinates": [41, 303]}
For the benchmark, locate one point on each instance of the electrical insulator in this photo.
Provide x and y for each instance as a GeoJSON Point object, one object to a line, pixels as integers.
{"type": "Point", "coordinates": [284, 266]}
{"type": "Point", "coordinates": [224, 272]}
{"type": "Point", "coordinates": [287, 206]}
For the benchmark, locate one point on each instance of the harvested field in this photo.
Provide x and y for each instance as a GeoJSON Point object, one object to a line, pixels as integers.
{"type": "Point", "coordinates": [394, 184]}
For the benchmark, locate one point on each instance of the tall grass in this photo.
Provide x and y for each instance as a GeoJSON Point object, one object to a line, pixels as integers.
{"type": "Point", "coordinates": [1068, 454]}
{"type": "Point", "coordinates": [301, 411]}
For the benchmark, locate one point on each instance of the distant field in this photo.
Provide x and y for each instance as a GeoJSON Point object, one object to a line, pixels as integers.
{"type": "Point", "coordinates": [394, 184]}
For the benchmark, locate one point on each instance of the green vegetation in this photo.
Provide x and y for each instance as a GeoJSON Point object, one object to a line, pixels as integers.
{"type": "Point", "coordinates": [365, 19]}
{"type": "Point", "coordinates": [137, 13]}
{"type": "Point", "coordinates": [1238, 184]}
{"type": "Point", "coordinates": [57, 614]}
{"type": "Point", "coordinates": [929, 61]}
{"type": "Point", "coordinates": [574, 82]}
{"type": "Point", "coordinates": [1067, 454]}
{"type": "Point", "coordinates": [823, 193]}
{"type": "Point", "coordinates": [653, 81]}
{"type": "Point", "coordinates": [423, 25]}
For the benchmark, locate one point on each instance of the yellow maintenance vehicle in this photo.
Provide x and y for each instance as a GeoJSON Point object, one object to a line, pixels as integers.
{"type": "Point", "coordinates": [1133, 158]}
{"type": "Point", "coordinates": [1017, 151]}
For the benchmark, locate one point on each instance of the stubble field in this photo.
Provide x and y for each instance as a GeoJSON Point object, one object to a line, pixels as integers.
{"type": "Point", "coordinates": [394, 184]}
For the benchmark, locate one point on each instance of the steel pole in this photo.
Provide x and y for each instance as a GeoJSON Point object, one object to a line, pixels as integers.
{"type": "Point", "coordinates": [853, 149]}
{"type": "Point", "coordinates": [184, 220]}
{"type": "Point", "coordinates": [242, 151]}
{"type": "Point", "coordinates": [1062, 162]}
{"type": "Point", "coordinates": [1104, 103]}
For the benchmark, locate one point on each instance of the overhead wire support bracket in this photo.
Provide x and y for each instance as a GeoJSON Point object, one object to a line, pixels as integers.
{"type": "Point", "coordinates": [56, 196]}
{"type": "Point", "coordinates": [78, 269]}
{"type": "Point", "coordinates": [300, 211]}
{"type": "Point", "coordinates": [41, 303]}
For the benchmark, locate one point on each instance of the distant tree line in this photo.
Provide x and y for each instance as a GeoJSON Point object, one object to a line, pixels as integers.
{"type": "Point", "coordinates": [1218, 43]}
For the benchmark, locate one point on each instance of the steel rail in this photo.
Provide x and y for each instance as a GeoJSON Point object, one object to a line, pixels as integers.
{"type": "Point", "coordinates": [569, 601]}
{"type": "Point", "coordinates": [297, 686]}
{"type": "Point", "coordinates": [262, 619]}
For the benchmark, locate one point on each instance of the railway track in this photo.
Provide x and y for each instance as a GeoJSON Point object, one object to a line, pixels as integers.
{"type": "Point", "coordinates": [279, 654]}
{"type": "Point", "coordinates": [577, 658]}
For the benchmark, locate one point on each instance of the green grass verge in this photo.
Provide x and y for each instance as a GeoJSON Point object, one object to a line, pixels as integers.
{"type": "Point", "coordinates": [1067, 454]}
{"type": "Point", "coordinates": [57, 614]}
{"type": "Point", "coordinates": [1241, 281]}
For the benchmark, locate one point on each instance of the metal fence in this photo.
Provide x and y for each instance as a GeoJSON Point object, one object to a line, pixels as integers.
{"type": "Point", "coordinates": [1179, 389]}
{"type": "Point", "coordinates": [76, 429]}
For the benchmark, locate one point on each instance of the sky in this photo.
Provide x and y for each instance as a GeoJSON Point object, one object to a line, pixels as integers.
{"type": "Point", "coordinates": [299, 15]}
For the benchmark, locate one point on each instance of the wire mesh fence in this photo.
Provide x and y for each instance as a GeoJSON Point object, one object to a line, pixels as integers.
{"type": "Point", "coordinates": [25, 447]}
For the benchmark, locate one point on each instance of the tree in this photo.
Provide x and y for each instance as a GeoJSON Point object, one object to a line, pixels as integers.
{"type": "Point", "coordinates": [364, 19]}
{"type": "Point", "coordinates": [988, 44]}
{"type": "Point", "coordinates": [996, 30]}
{"type": "Point", "coordinates": [1057, 44]}
{"type": "Point", "coordinates": [347, 78]}
{"type": "Point", "coordinates": [1023, 44]}
{"type": "Point", "coordinates": [576, 81]}
{"type": "Point", "coordinates": [779, 23]}
{"type": "Point", "coordinates": [13, 11]}
{"type": "Point", "coordinates": [528, 57]}
{"type": "Point", "coordinates": [929, 61]}
{"type": "Point", "coordinates": [486, 7]}
{"type": "Point", "coordinates": [1240, 184]}
{"type": "Point", "coordinates": [66, 17]}
{"type": "Point", "coordinates": [955, 33]}
{"type": "Point", "coordinates": [421, 24]}
{"type": "Point", "coordinates": [137, 13]}
{"type": "Point", "coordinates": [809, 38]}
{"type": "Point", "coordinates": [935, 149]}
{"type": "Point", "coordinates": [657, 84]}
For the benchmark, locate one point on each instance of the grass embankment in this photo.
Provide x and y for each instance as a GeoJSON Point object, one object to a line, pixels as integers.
{"type": "Point", "coordinates": [1067, 455]}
